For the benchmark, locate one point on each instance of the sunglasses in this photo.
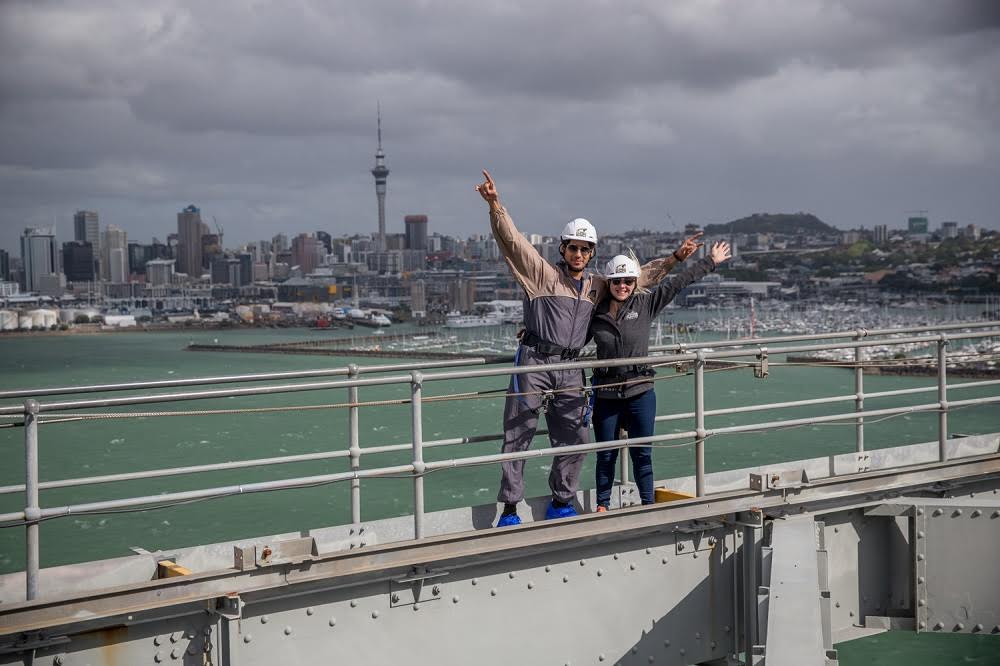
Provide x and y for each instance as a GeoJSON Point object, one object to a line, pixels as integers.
{"type": "Point", "coordinates": [582, 249]}
{"type": "Point", "coordinates": [625, 281]}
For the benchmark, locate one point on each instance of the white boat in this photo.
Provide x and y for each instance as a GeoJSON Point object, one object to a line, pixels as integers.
{"type": "Point", "coordinates": [458, 320]}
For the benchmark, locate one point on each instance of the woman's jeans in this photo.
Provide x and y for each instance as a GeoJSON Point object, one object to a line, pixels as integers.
{"type": "Point", "coordinates": [635, 415]}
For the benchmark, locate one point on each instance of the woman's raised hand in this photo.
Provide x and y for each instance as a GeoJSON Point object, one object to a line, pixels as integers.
{"type": "Point", "coordinates": [488, 189]}
{"type": "Point", "coordinates": [689, 246]}
{"type": "Point", "coordinates": [721, 252]}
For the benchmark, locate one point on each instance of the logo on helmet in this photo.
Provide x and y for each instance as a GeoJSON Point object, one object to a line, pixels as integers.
{"type": "Point", "coordinates": [620, 268]}
{"type": "Point", "coordinates": [581, 231]}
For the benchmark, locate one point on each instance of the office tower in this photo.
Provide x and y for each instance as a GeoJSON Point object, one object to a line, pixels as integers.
{"type": "Point", "coordinates": [246, 268]}
{"type": "Point", "coordinates": [279, 243]}
{"type": "Point", "coordinates": [381, 173]}
{"type": "Point", "coordinates": [416, 232]}
{"type": "Point", "coordinates": [4, 266]}
{"type": "Point", "coordinates": [78, 261]}
{"type": "Point", "coordinates": [211, 249]}
{"type": "Point", "coordinates": [38, 257]}
{"type": "Point", "coordinates": [949, 229]}
{"type": "Point", "coordinates": [916, 225]}
{"type": "Point", "coordinates": [306, 251]}
{"type": "Point", "coordinates": [114, 243]}
{"type": "Point", "coordinates": [326, 239]}
{"type": "Point", "coordinates": [86, 227]}
{"type": "Point", "coordinates": [881, 233]}
{"type": "Point", "coordinates": [190, 229]}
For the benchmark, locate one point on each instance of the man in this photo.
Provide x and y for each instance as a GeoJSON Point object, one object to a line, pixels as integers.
{"type": "Point", "coordinates": [558, 303]}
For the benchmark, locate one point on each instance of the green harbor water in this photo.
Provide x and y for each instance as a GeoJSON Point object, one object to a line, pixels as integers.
{"type": "Point", "coordinates": [96, 447]}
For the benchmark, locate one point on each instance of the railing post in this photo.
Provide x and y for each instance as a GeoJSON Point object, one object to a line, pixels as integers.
{"type": "Point", "coordinates": [859, 392]}
{"type": "Point", "coordinates": [699, 423]}
{"type": "Point", "coordinates": [418, 453]}
{"type": "Point", "coordinates": [942, 397]}
{"type": "Point", "coordinates": [32, 512]}
{"type": "Point", "coordinates": [355, 444]}
{"type": "Point", "coordinates": [623, 455]}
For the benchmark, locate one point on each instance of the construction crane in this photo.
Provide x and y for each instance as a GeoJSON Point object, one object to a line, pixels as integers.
{"type": "Point", "coordinates": [218, 229]}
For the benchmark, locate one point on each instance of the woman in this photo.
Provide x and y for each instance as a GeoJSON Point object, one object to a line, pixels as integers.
{"type": "Point", "coordinates": [624, 395]}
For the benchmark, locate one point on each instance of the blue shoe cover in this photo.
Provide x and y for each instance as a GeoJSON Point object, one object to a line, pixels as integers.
{"type": "Point", "coordinates": [559, 512]}
{"type": "Point", "coordinates": [508, 520]}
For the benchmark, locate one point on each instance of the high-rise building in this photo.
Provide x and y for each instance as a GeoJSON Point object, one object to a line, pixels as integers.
{"type": "Point", "coordinates": [306, 252]}
{"type": "Point", "coordinates": [86, 227]}
{"type": "Point", "coordinates": [4, 266]}
{"type": "Point", "coordinates": [78, 261]}
{"type": "Point", "coordinates": [381, 173]}
{"type": "Point", "coordinates": [916, 225]}
{"type": "Point", "coordinates": [38, 257]}
{"type": "Point", "coordinates": [159, 272]}
{"type": "Point", "coordinates": [246, 268]}
{"type": "Point", "coordinates": [190, 229]}
{"type": "Point", "coordinates": [326, 239]}
{"type": "Point", "coordinates": [881, 233]}
{"type": "Point", "coordinates": [949, 229]}
{"type": "Point", "coordinates": [416, 232]}
{"type": "Point", "coordinates": [114, 255]}
{"type": "Point", "coordinates": [279, 243]}
{"type": "Point", "coordinates": [211, 249]}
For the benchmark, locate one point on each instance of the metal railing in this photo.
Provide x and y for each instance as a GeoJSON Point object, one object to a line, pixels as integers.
{"type": "Point", "coordinates": [32, 411]}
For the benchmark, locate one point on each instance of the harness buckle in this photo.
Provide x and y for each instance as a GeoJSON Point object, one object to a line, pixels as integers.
{"type": "Point", "coordinates": [547, 397]}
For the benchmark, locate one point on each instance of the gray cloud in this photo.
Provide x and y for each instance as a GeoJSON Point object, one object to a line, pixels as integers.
{"type": "Point", "coordinates": [263, 113]}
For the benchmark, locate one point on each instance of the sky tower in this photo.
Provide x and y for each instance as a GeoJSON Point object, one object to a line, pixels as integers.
{"type": "Point", "coordinates": [381, 172]}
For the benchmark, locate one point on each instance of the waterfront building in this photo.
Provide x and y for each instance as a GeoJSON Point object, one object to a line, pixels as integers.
{"type": "Point", "coordinates": [114, 249]}
{"type": "Point", "coordinates": [418, 299]}
{"type": "Point", "coordinates": [160, 272]}
{"type": "Point", "coordinates": [38, 256]}
{"type": "Point", "coordinates": [381, 173]}
{"type": "Point", "coordinates": [190, 229]}
{"type": "Point", "coordinates": [416, 232]}
{"type": "Point", "coordinates": [4, 265]}
{"type": "Point", "coordinates": [8, 289]}
{"type": "Point", "coordinates": [78, 261]}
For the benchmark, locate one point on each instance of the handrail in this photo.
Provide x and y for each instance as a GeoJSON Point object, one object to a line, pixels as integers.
{"type": "Point", "coordinates": [33, 513]}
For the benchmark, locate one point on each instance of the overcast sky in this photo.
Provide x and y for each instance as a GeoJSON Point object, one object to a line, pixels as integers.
{"type": "Point", "coordinates": [635, 114]}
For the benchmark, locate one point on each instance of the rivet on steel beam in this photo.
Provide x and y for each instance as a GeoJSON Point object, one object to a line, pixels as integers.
{"type": "Point", "coordinates": [600, 572]}
{"type": "Point", "coordinates": [601, 657]}
{"type": "Point", "coordinates": [475, 581]}
{"type": "Point", "coordinates": [727, 629]}
{"type": "Point", "coordinates": [455, 599]}
{"type": "Point", "coordinates": [713, 645]}
{"type": "Point", "coordinates": [682, 651]}
{"type": "Point", "coordinates": [922, 625]}
{"type": "Point", "coordinates": [263, 620]}
{"type": "Point", "coordinates": [939, 626]}
{"type": "Point", "coordinates": [921, 579]}
{"type": "Point", "coordinates": [937, 512]}
{"type": "Point", "coordinates": [174, 638]}
{"type": "Point", "coordinates": [157, 640]}
{"type": "Point", "coordinates": [158, 657]}
{"type": "Point", "coordinates": [956, 513]}
{"type": "Point", "coordinates": [58, 661]}
{"type": "Point", "coordinates": [976, 513]}
{"type": "Point", "coordinates": [247, 638]}
{"type": "Point", "coordinates": [920, 534]}
{"type": "Point", "coordinates": [632, 566]}
{"type": "Point", "coordinates": [978, 627]}
{"type": "Point", "coordinates": [697, 635]}
{"type": "Point", "coordinates": [695, 554]}
{"type": "Point", "coordinates": [850, 613]}
{"type": "Point", "coordinates": [531, 585]}
{"type": "Point", "coordinates": [176, 653]}
{"type": "Point", "coordinates": [310, 611]}
{"type": "Point", "coordinates": [836, 530]}
{"type": "Point", "coordinates": [374, 614]}
{"type": "Point", "coordinates": [959, 627]}
{"type": "Point", "coordinates": [565, 579]}
{"type": "Point", "coordinates": [922, 602]}
{"type": "Point", "coordinates": [583, 563]}
{"type": "Point", "coordinates": [416, 606]}
{"type": "Point", "coordinates": [635, 650]}
{"type": "Point", "coordinates": [995, 514]}
{"type": "Point", "coordinates": [332, 622]}
{"type": "Point", "coordinates": [649, 550]}
{"type": "Point", "coordinates": [651, 659]}
{"type": "Point", "coordinates": [547, 568]}
{"type": "Point", "coordinates": [436, 590]}
{"type": "Point", "coordinates": [354, 603]}
{"type": "Point", "coordinates": [493, 592]}
{"type": "Point", "coordinates": [666, 643]}
{"type": "Point", "coordinates": [288, 631]}
{"type": "Point", "coordinates": [837, 605]}
{"type": "Point", "coordinates": [511, 575]}
{"type": "Point", "coordinates": [663, 561]}
{"type": "Point", "coordinates": [920, 511]}
{"type": "Point", "coordinates": [920, 557]}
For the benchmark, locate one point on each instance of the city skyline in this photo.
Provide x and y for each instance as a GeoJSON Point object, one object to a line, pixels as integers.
{"type": "Point", "coordinates": [689, 113]}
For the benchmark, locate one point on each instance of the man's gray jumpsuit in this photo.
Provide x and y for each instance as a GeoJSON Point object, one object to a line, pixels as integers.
{"type": "Point", "coordinates": [556, 316]}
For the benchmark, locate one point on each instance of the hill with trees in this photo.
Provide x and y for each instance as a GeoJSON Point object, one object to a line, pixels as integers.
{"type": "Point", "coordinates": [773, 223]}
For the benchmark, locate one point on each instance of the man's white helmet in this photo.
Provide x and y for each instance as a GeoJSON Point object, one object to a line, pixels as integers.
{"type": "Point", "coordinates": [579, 229]}
{"type": "Point", "coordinates": [621, 266]}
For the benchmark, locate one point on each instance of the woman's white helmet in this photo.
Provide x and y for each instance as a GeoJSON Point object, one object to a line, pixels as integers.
{"type": "Point", "coordinates": [579, 229]}
{"type": "Point", "coordinates": [621, 266]}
